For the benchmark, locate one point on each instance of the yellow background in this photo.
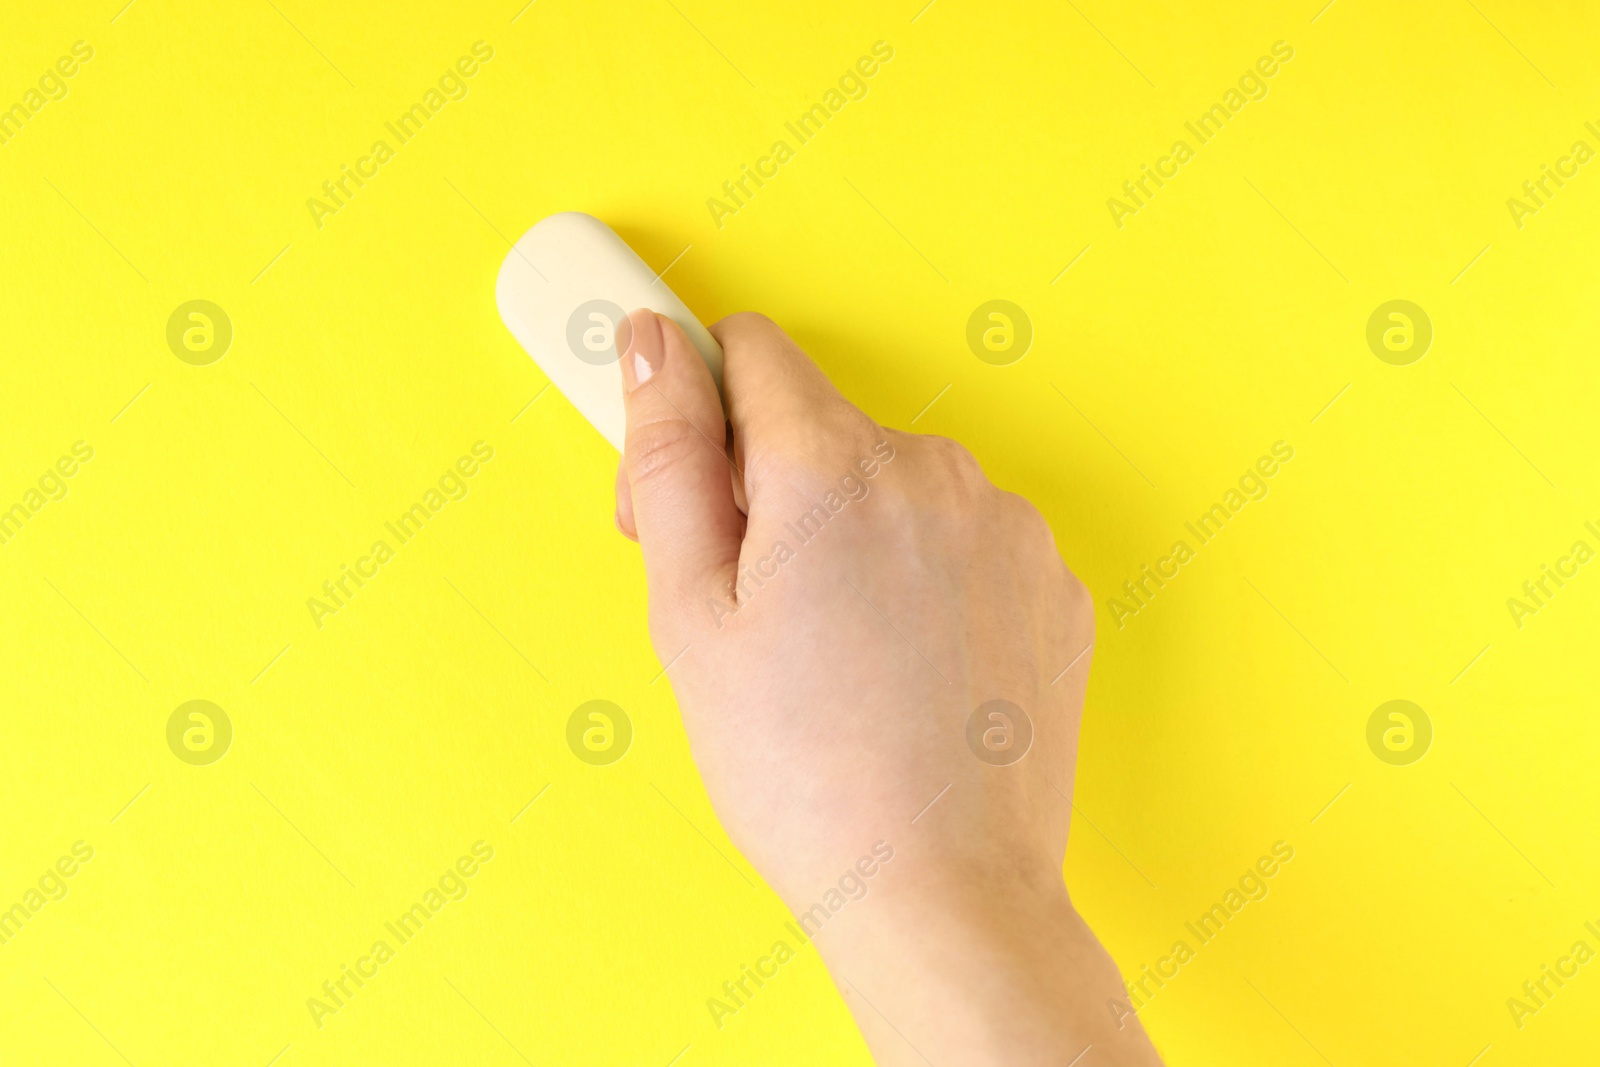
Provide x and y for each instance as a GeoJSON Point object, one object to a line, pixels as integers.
{"type": "Point", "coordinates": [367, 355]}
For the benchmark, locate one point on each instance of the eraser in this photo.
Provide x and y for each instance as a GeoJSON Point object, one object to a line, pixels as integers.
{"type": "Point", "coordinates": [563, 290]}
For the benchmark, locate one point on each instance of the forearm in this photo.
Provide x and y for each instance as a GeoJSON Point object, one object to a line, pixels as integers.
{"type": "Point", "coordinates": [964, 973]}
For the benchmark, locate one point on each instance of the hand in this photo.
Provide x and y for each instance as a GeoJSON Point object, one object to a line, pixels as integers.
{"type": "Point", "coordinates": [840, 604]}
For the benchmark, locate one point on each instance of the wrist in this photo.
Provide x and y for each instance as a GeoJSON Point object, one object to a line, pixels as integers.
{"type": "Point", "coordinates": [977, 967]}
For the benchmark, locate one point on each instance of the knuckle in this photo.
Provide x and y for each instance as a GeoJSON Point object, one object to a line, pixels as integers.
{"type": "Point", "coordinates": [844, 436]}
{"type": "Point", "coordinates": [1080, 603]}
{"type": "Point", "coordinates": [749, 319]}
{"type": "Point", "coordinates": [655, 448]}
{"type": "Point", "coordinates": [828, 443]}
{"type": "Point", "coordinates": [956, 467]}
{"type": "Point", "coordinates": [744, 326]}
{"type": "Point", "coordinates": [1034, 527]}
{"type": "Point", "coordinates": [1077, 592]}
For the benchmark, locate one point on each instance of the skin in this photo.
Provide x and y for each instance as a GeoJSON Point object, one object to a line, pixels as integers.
{"type": "Point", "coordinates": [827, 698]}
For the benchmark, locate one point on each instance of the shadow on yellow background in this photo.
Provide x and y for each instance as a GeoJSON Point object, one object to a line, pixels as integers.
{"type": "Point", "coordinates": [191, 479]}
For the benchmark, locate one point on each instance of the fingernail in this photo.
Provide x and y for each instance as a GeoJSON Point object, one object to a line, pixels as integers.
{"type": "Point", "coordinates": [645, 351]}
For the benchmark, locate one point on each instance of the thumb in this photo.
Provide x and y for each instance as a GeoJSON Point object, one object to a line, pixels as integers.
{"type": "Point", "coordinates": [677, 470]}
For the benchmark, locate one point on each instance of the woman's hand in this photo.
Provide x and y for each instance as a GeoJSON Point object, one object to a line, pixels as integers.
{"type": "Point", "coordinates": [874, 649]}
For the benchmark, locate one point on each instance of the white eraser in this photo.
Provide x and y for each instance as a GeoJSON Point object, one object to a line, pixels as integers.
{"type": "Point", "coordinates": [564, 289]}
